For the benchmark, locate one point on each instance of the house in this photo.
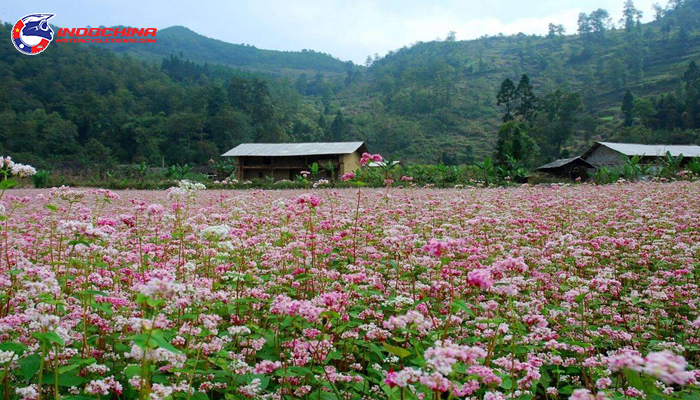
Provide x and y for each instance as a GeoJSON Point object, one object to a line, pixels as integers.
{"type": "Point", "coordinates": [281, 161]}
{"type": "Point", "coordinates": [571, 168]}
{"type": "Point", "coordinates": [606, 154]}
{"type": "Point", "coordinates": [614, 155]}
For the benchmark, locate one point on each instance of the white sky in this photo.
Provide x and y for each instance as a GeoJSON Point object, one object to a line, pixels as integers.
{"type": "Point", "coordinates": [349, 30]}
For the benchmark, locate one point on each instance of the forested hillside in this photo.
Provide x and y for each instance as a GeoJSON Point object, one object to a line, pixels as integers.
{"type": "Point", "coordinates": [440, 97]}
{"type": "Point", "coordinates": [89, 105]}
{"type": "Point", "coordinates": [181, 40]}
{"type": "Point", "coordinates": [444, 101]}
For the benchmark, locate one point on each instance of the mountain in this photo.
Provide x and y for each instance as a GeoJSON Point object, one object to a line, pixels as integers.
{"type": "Point", "coordinates": [437, 100]}
{"type": "Point", "coordinates": [88, 105]}
{"type": "Point", "coordinates": [188, 98]}
{"type": "Point", "coordinates": [181, 40]}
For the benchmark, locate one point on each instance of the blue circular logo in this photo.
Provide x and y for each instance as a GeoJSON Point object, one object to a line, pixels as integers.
{"type": "Point", "coordinates": [32, 34]}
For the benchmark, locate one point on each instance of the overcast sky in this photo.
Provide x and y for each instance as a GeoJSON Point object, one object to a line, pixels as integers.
{"type": "Point", "coordinates": [349, 30]}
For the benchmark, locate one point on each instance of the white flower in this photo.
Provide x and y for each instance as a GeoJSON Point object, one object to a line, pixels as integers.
{"type": "Point", "coordinates": [22, 170]}
{"type": "Point", "coordinates": [216, 232]}
{"type": "Point", "coordinates": [252, 389]}
{"type": "Point", "coordinates": [163, 288]}
{"type": "Point", "coordinates": [184, 188]}
{"type": "Point", "coordinates": [6, 356]}
{"type": "Point", "coordinates": [239, 330]}
{"type": "Point", "coordinates": [6, 162]}
{"type": "Point", "coordinates": [27, 393]}
{"type": "Point", "coordinates": [190, 186]}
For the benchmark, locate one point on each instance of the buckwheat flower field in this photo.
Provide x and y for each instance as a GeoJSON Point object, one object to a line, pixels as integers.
{"type": "Point", "coordinates": [583, 292]}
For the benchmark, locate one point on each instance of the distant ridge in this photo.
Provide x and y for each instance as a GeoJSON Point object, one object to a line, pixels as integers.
{"type": "Point", "coordinates": [192, 45]}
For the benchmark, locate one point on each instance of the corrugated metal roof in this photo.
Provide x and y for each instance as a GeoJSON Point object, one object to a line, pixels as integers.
{"type": "Point", "coordinates": [652, 150]}
{"type": "Point", "coordinates": [562, 162]}
{"type": "Point", "coordinates": [292, 149]}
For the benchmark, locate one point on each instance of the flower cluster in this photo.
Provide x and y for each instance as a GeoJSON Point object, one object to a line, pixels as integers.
{"type": "Point", "coordinates": [12, 168]}
{"type": "Point", "coordinates": [549, 292]}
{"type": "Point", "coordinates": [366, 158]}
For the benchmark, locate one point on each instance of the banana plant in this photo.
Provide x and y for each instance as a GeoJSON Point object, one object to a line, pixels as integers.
{"type": "Point", "coordinates": [671, 165]}
{"type": "Point", "coordinates": [223, 169]}
{"type": "Point", "coordinates": [487, 169]}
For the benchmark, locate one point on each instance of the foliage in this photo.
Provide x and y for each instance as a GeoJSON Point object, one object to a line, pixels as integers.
{"type": "Point", "coordinates": [351, 294]}
{"type": "Point", "coordinates": [42, 178]}
{"type": "Point", "coordinates": [100, 109]}
{"type": "Point", "coordinates": [184, 42]}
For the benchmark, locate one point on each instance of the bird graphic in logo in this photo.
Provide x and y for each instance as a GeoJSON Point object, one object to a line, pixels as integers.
{"type": "Point", "coordinates": [32, 34]}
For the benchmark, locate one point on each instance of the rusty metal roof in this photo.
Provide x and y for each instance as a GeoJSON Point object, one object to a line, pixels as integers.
{"type": "Point", "coordinates": [293, 149]}
{"type": "Point", "coordinates": [562, 162]}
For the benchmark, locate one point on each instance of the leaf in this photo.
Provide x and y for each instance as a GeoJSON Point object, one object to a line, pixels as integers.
{"type": "Point", "coordinates": [7, 183]}
{"type": "Point", "coordinates": [155, 303]}
{"type": "Point", "coordinates": [330, 314]}
{"type": "Point", "coordinates": [67, 368]}
{"type": "Point", "coordinates": [69, 380]}
{"type": "Point", "coordinates": [51, 207]}
{"type": "Point", "coordinates": [160, 378]}
{"type": "Point", "coordinates": [157, 336]}
{"type": "Point", "coordinates": [54, 337]}
{"type": "Point", "coordinates": [132, 370]}
{"type": "Point", "coordinates": [566, 390]}
{"type": "Point", "coordinates": [142, 340]}
{"type": "Point", "coordinates": [328, 396]}
{"type": "Point", "coordinates": [633, 378]}
{"type": "Point", "coordinates": [506, 383]}
{"type": "Point", "coordinates": [199, 396]}
{"type": "Point", "coordinates": [397, 351]}
{"type": "Point", "coordinates": [29, 365]}
{"type": "Point", "coordinates": [15, 347]}
{"type": "Point", "coordinates": [462, 305]}
{"type": "Point", "coordinates": [691, 396]}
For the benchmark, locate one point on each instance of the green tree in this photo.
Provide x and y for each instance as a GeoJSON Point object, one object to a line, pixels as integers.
{"type": "Point", "coordinates": [338, 129]}
{"type": "Point", "coordinates": [600, 22]}
{"type": "Point", "coordinates": [506, 97]}
{"type": "Point", "coordinates": [556, 121]}
{"type": "Point", "coordinates": [628, 108]}
{"type": "Point", "coordinates": [555, 31]}
{"type": "Point", "coordinates": [515, 144]}
{"type": "Point", "coordinates": [630, 16]}
{"type": "Point", "coordinates": [528, 101]}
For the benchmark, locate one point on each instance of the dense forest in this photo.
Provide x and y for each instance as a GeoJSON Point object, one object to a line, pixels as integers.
{"type": "Point", "coordinates": [437, 101]}
{"type": "Point", "coordinates": [521, 99]}
{"type": "Point", "coordinates": [176, 39]}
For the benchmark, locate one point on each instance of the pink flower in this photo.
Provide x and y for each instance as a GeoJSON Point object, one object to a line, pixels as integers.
{"type": "Point", "coordinates": [436, 247]}
{"type": "Point", "coordinates": [667, 367]}
{"type": "Point", "coordinates": [696, 324]}
{"type": "Point", "coordinates": [445, 354]}
{"type": "Point", "coordinates": [347, 176]}
{"type": "Point", "coordinates": [391, 378]}
{"type": "Point", "coordinates": [480, 277]}
{"type": "Point", "coordinates": [403, 378]}
{"type": "Point", "coordinates": [267, 367]}
{"type": "Point", "coordinates": [366, 157]}
{"type": "Point", "coordinates": [312, 200]}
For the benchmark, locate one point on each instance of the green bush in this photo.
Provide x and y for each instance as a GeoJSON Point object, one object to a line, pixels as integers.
{"type": "Point", "coordinates": [42, 178]}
